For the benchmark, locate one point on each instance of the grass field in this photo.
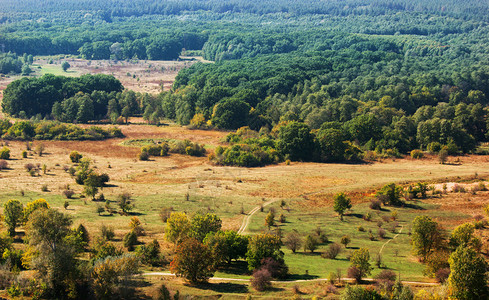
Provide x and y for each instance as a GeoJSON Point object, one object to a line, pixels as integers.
{"type": "Point", "coordinates": [307, 189]}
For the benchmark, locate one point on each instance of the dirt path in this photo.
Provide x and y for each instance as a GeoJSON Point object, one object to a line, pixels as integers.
{"type": "Point", "coordinates": [290, 281]}
{"type": "Point", "coordinates": [382, 248]}
{"type": "Point", "coordinates": [247, 218]}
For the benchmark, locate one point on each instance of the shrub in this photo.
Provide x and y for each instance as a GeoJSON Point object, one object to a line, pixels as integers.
{"type": "Point", "coordinates": [24, 154]}
{"type": "Point", "coordinates": [75, 157]}
{"type": "Point", "coordinates": [165, 213]}
{"type": "Point", "coordinates": [261, 280]}
{"type": "Point", "coordinates": [375, 204]}
{"type": "Point", "coordinates": [442, 275]}
{"type": "Point", "coordinates": [143, 155]}
{"type": "Point", "coordinates": [355, 273]}
{"type": "Point", "coordinates": [276, 268]}
{"type": "Point", "coordinates": [417, 154]}
{"type": "Point", "coordinates": [345, 240]}
{"type": "Point", "coordinates": [40, 149]}
{"type": "Point", "coordinates": [367, 216]}
{"type": "Point", "coordinates": [332, 251]}
{"type": "Point", "coordinates": [293, 241]}
{"type": "Point", "coordinates": [107, 232]}
{"type": "Point", "coordinates": [29, 167]}
{"type": "Point", "coordinates": [66, 204]}
{"type": "Point", "coordinates": [361, 228]}
{"type": "Point", "coordinates": [4, 153]}
{"type": "Point", "coordinates": [3, 164]}
{"type": "Point", "coordinates": [44, 188]}
{"type": "Point", "coordinates": [68, 194]}
{"type": "Point", "coordinates": [311, 243]}
{"type": "Point", "coordinates": [382, 233]}
{"type": "Point", "coordinates": [130, 240]}
{"type": "Point", "coordinates": [443, 156]}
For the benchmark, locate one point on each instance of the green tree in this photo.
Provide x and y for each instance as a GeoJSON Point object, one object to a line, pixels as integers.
{"type": "Point", "coordinates": [130, 240]}
{"type": "Point", "coordinates": [262, 246]}
{"type": "Point", "coordinates": [177, 227]}
{"type": "Point", "coordinates": [426, 236]}
{"type": "Point", "coordinates": [270, 219]}
{"type": "Point", "coordinates": [341, 204]}
{"type": "Point", "coordinates": [311, 243]}
{"type": "Point", "coordinates": [230, 113]}
{"type": "Point", "coordinates": [193, 261]}
{"type": "Point", "coordinates": [462, 235]}
{"type": "Point", "coordinates": [468, 276]}
{"type": "Point", "coordinates": [112, 276]}
{"type": "Point", "coordinates": [226, 245]}
{"type": "Point", "coordinates": [55, 250]}
{"type": "Point", "coordinates": [296, 141]}
{"type": "Point", "coordinates": [390, 194]}
{"type": "Point", "coordinates": [201, 225]}
{"type": "Point", "coordinates": [65, 66]}
{"type": "Point", "coordinates": [13, 212]}
{"type": "Point", "coordinates": [125, 203]}
{"type": "Point", "coordinates": [360, 259]}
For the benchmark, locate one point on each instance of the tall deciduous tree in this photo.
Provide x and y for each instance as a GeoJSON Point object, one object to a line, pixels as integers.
{"type": "Point", "coordinates": [468, 276]}
{"type": "Point", "coordinates": [55, 246]}
{"type": "Point", "coordinates": [360, 259]}
{"type": "Point", "coordinates": [426, 236]}
{"type": "Point", "coordinates": [201, 225]}
{"type": "Point", "coordinates": [13, 215]}
{"type": "Point", "coordinates": [193, 261]}
{"type": "Point", "coordinates": [262, 246]}
{"type": "Point", "coordinates": [177, 227]}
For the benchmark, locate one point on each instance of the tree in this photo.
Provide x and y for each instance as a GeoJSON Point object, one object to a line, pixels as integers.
{"type": "Point", "coordinates": [296, 141]}
{"type": "Point", "coordinates": [468, 277]}
{"type": "Point", "coordinates": [12, 211]}
{"type": "Point", "coordinates": [177, 227]}
{"type": "Point", "coordinates": [345, 240]}
{"type": "Point", "coordinates": [293, 241]}
{"type": "Point", "coordinates": [65, 66]}
{"type": "Point", "coordinates": [360, 259]}
{"type": "Point", "coordinates": [462, 235]}
{"type": "Point", "coordinates": [262, 246]}
{"type": "Point", "coordinates": [193, 261]}
{"type": "Point", "coordinates": [230, 113]}
{"type": "Point", "coordinates": [55, 249]}
{"type": "Point", "coordinates": [201, 225]}
{"type": "Point", "coordinates": [130, 240]}
{"type": "Point", "coordinates": [270, 219]}
{"type": "Point", "coordinates": [390, 194]}
{"type": "Point", "coordinates": [341, 204]}
{"type": "Point", "coordinates": [311, 243]}
{"type": "Point", "coordinates": [426, 236]}
{"type": "Point", "coordinates": [112, 275]}
{"type": "Point", "coordinates": [32, 206]}
{"type": "Point", "coordinates": [442, 156]}
{"type": "Point", "coordinates": [125, 203]}
{"type": "Point", "coordinates": [226, 245]}
{"type": "Point", "coordinates": [91, 184]}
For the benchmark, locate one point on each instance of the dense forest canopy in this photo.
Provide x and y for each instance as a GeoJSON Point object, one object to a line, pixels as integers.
{"type": "Point", "coordinates": [389, 75]}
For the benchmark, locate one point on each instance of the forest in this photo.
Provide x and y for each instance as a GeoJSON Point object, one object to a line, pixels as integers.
{"type": "Point", "coordinates": [131, 183]}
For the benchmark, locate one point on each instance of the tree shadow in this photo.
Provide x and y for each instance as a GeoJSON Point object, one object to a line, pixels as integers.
{"type": "Point", "coordinates": [293, 277]}
{"type": "Point", "coordinates": [236, 268]}
{"type": "Point", "coordinates": [222, 287]}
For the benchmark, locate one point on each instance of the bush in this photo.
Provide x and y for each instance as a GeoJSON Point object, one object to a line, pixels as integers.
{"type": "Point", "coordinates": [442, 275]}
{"type": "Point", "coordinates": [355, 273]}
{"type": "Point", "coordinates": [375, 204]}
{"type": "Point", "coordinates": [44, 188]}
{"type": "Point", "coordinates": [277, 268]}
{"type": "Point", "coordinates": [332, 251]}
{"type": "Point", "coordinates": [417, 154]}
{"type": "Point", "coordinates": [68, 194]}
{"type": "Point", "coordinates": [165, 213]}
{"type": "Point", "coordinates": [382, 233]}
{"type": "Point", "coordinates": [4, 153]}
{"type": "Point", "coordinates": [75, 157]}
{"type": "Point", "coordinates": [107, 233]}
{"type": "Point", "coordinates": [261, 280]}
{"type": "Point", "coordinates": [143, 155]}
{"type": "Point", "coordinates": [345, 240]}
{"type": "Point", "coordinates": [130, 240]}
{"type": "Point", "coordinates": [3, 164]}
{"type": "Point", "coordinates": [24, 154]}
